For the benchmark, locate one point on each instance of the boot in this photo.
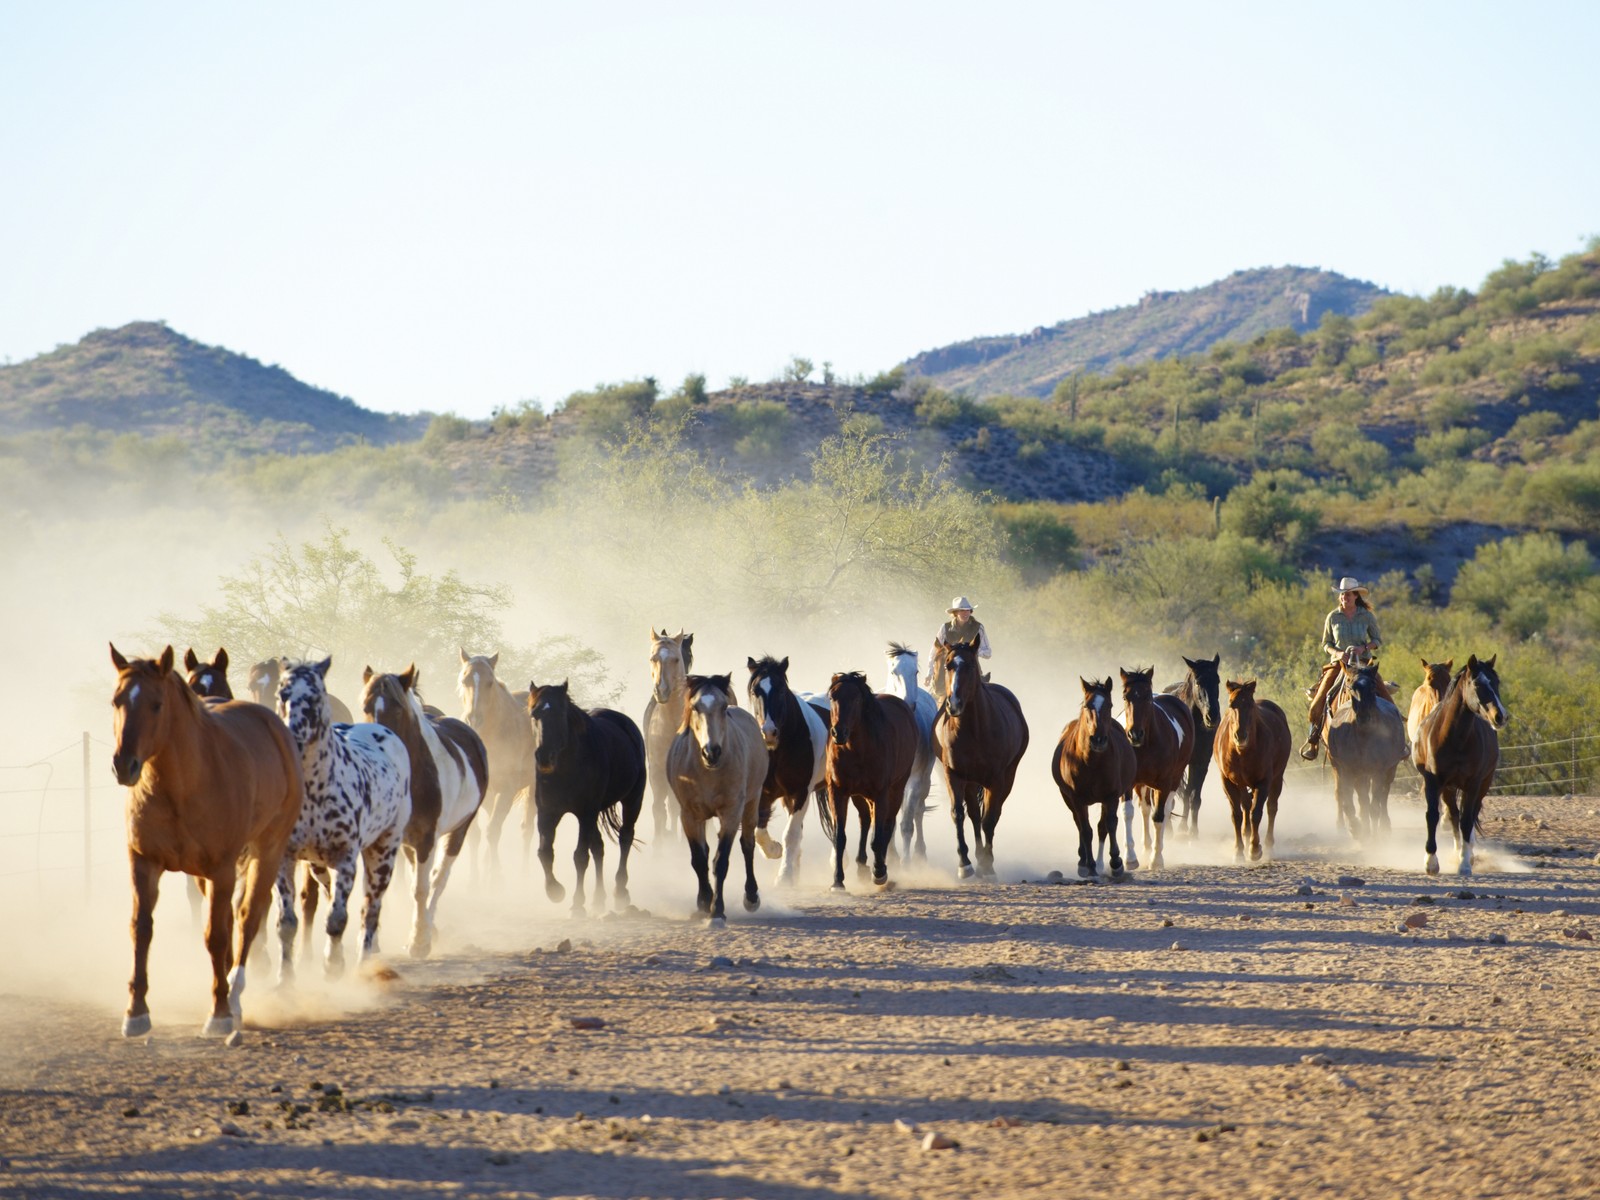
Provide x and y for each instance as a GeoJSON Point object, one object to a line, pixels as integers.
{"type": "Point", "coordinates": [1313, 740]}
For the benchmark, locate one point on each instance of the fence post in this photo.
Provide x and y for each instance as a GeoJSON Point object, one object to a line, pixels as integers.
{"type": "Point", "coordinates": [86, 821]}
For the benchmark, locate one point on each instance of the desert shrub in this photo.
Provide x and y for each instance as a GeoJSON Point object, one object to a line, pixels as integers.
{"type": "Point", "coordinates": [1272, 508]}
{"type": "Point", "coordinates": [1040, 536]}
{"type": "Point", "coordinates": [1434, 448]}
{"type": "Point", "coordinates": [941, 409]}
{"type": "Point", "coordinates": [1521, 581]}
{"type": "Point", "coordinates": [759, 427]}
{"type": "Point", "coordinates": [444, 429]}
{"type": "Point", "coordinates": [606, 412]}
{"type": "Point", "coordinates": [1566, 495]}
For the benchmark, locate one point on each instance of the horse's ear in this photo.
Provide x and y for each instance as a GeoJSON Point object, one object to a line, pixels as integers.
{"type": "Point", "coordinates": [785, 663]}
{"type": "Point", "coordinates": [1123, 673]}
{"type": "Point", "coordinates": [222, 659]}
{"type": "Point", "coordinates": [1087, 686]}
{"type": "Point", "coordinates": [1216, 660]}
{"type": "Point", "coordinates": [532, 688]}
{"type": "Point", "coordinates": [1188, 662]}
{"type": "Point", "coordinates": [687, 650]}
{"type": "Point", "coordinates": [750, 662]}
{"type": "Point", "coordinates": [321, 668]}
{"type": "Point", "coordinates": [410, 678]}
{"type": "Point", "coordinates": [494, 660]}
{"type": "Point", "coordinates": [1472, 662]}
{"type": "Point", "coordinates": [1425, 664]}
{"type": "Point", "coordinates": [366, 673]}
{"type": "Point", "coordinates": [1449, 665]}
{"type": "Point", "coordinates": [464, 657]}
{"type": "Point", "coordinates": [166, 660]}
{"type": "Point", "coordinates": [190, 662]}
{"type": "Point", "coordinates": [1492, 657]}
{"type": "Point", "coordinates": [725, 682]}
{"type": "Point", "coordinates": [117, 660]}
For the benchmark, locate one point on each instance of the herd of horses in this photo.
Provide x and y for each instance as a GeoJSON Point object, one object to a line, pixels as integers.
{"type": "Point", "coordinates": [236, 793]}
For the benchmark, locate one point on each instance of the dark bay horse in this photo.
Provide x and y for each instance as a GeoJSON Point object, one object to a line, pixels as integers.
{"type": "Point", "coordinates": [208, 679]}
{"type": "Point", "coordinates": [1457, 751]}
{"type": "Point", "coordinates": [500, 717]}
{"type": "Point", "coordinates": [1251, 751]}
{"type": "Point", "coordinates": [980, 736]}
{"type": "Point", "coordinates": [1161, 731]}
{"type": "Point", "coordinates": [592, 765]}
{"type": "Point", "coordinates": [212, 788]}
{"type": "Point", "coordinates": [1094, 764]}
{"type": "Point", "coordinates": [795, 732]}
{"type": "Point", "coordinates": [1366, 739]}
{"type": "Point", "coordinates": [1201, 690]}
{"type": "Point", "coordinates": [872, 744]}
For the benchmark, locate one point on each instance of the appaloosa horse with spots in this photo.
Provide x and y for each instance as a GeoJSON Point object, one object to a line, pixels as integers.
{"type": "Point", "coordinates": [1456, 753]}
{"type": "Point", "coordinates": [500, 717]}
{"type": "Point", "coordinates": [795, 731]}
{"type": "Point", "coordinates": [1251, 752]}
{"type": "Point", "coordinates": [1094, 764]}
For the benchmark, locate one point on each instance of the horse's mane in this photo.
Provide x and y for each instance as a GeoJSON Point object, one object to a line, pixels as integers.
{"type": "Point", "coordinates": [765, 665]}
{"type": "Point", "coordinates": [896, 649]}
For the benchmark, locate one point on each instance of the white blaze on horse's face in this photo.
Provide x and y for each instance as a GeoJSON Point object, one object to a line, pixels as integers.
{"type": "Point", "coordinates": [205, 682]}
{"type": "Point", "coordinates": [708, 722]}
{"type": "Point", "coordinates": [133, 693]}
{"type": "Point", "coordinates": [769, 728]}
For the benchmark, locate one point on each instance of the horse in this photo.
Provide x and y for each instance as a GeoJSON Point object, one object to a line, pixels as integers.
{"type": "Point", "coordinates": [208, 679]}
{"type": "Point", "coordinates": [1366, 740]}
{"type": "Point", "coordinates": [902, 682]}
{"type": "Point", "coordinates": [795, 732]}
{"type": "Point", "coordinates": [1251, 752]}
{"type": "Point", "coordinates": [592, 765]}
{"type": "Point", "coordinates": [980, 736]}
{"type": "Point", "coordinates": [264, 680]}
{"type": "Point", "coordinates": [872, 745]}
{"type": "Point", "coordinates": [1094, 763]}
{"type": "Point", "coordinates": [213, 788]}
{"type": "Point", "coordinates": [670, 660]}
{"type": "Point", "coordinates": [1161, 732]}
{"type": "Point", "coordinates": [1435, 683]}
{"type": "Point", "coordinates": [358, 802]}
{"type": "Point", "coordinates": [449, 777]}
{"type": "Point", "coordinates": [716, 766]}
{"type": "Point", "coordinates": [1200, 690]}
{"type": "Point", "coordinates": [1456, 752]}
{"type": "Point", "coordinates": [500, 717]}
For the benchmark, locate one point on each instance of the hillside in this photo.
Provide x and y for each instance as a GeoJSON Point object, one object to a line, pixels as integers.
{"type": "Point", "coordinates": [146, 379]}
{"type": "Point", "coordinates": [1239, 308]}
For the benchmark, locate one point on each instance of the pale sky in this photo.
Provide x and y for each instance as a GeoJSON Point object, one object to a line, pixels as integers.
{"type": "Point", "coordinates": [460, 206]}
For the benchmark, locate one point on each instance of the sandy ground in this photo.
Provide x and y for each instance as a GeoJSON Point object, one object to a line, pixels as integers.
{"type": "Point", "coordinates": [1205, 1030]}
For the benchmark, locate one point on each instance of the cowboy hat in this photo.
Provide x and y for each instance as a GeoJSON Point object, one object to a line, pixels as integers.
{"type": "Point", "coordinates": [960, 604]}
{"type": "Point", "coordinates": [1351, 584]}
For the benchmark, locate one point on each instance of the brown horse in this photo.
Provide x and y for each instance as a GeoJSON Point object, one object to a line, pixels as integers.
{"type": "Point", "coordinates": [872, 746]}
{"type": "Point", "coordinates": [1456, 752]}
{"type": "Point", "coordinates": [1435, 683]}
{"type": "Point", "coordinates": [979, 736]}
{"type": "Point", "coordinates": [500, 717]}
{"type": "Point", "coordinates": [211, 787]}
{"type": "Point", "coordinates": [1251, 751]}
{"type": "Point", "coordinates": [208, 679]}
{"type": "Point", "coordinates": [1094, 763]}
{"type": "Point", "coordinates": [670, 660]}
{"type": "Point", "coordinates": [1161, 731]}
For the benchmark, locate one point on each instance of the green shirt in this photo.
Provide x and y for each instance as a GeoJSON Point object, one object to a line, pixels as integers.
{"type": "Point", "coordinates": [1340, 632]}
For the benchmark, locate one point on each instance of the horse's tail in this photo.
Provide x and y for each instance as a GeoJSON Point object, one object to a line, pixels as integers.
{"type": "Point", "coordinates": [825, 815]}
{"type": "Point", "coordinates": [611, 820]}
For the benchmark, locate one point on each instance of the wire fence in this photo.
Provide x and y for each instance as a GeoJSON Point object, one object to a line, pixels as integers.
{"type": "Point", "coordinates": [1545, 767]}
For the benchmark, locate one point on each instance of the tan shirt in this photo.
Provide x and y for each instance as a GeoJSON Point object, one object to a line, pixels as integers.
{"type": "Point", "coordinates": [1340, 632]}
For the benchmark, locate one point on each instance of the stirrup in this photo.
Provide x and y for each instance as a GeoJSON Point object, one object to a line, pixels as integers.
{"type": "Point", "coordinates": [1309, 750]}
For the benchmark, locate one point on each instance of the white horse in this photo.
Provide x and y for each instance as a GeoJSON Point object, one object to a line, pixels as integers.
{"type": "Point", "coordinates": [902, 682]}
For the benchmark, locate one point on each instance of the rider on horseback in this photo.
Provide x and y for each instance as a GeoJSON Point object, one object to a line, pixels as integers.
{"type": "Point", "coordinates": [1349, 634]}
{"type": "Point", "coordinates": [962, 627]}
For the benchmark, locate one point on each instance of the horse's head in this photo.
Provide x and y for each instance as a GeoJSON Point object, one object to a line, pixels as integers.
{"type": "Point", "coordinates": [769, 693]}
{"type": "Point", "coordinates": [1362, 684]}
{"type": "Point", "coordinates": [706, 701]}
{"type": "Point", "coordinates": [1436, 676]}
{"type": "Point", "coordinates": [474, 684]}
{"type": "Point", "coordinates": [141, 711]}
{"type": "Point", "coordinates": [1205, 685]}
{"type": "Point", "coordinates": [848, 697]}
{"type": "Point", "coordinates": [670, 660]}
{"type": "Point", "coordinates": [1242, 700]}
{"type": "Point", "coordinates": [389, 700]}
{"type": "Point", "coordinates": [263, 681]}
{"type": "Point", "coordinates": [1095, 714]}
{"type": "Point", "coordinates": [1138, 697]}
{"type": "Point", "coordinates": [303, 700]}
{"type": "Point", "coordinates": [556, 721]}
{"type": "Point", "coordinates": [1482, 684]}
{"type": "Point", "coordinates": [208, 678]}
{"type": "Point", "coordinates": [902, 679]}
{"type": "Point", "coordinates": [963, 674]}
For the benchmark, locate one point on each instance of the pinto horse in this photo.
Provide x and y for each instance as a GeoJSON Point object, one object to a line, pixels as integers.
{"type": "Point", "coordinates": [980, 736]}
{"type": "Point", "coordinates": [592, 765]}
{"type": "Point", "coordinates": [872, 744]}
{"type": "Point", "coordinates": [902, 682]}
{"type": "Point", "coordinates": [1366, 740]}
{"type": "Point", "coordinates": [716, 765]}
{"type": "Point", "coordinates": [1251, 752]}
{"type": "Point", "coordinates": [1094, 763]}
{"type": "Point", "coordinates": [1457, 751]}
{"type": "Point", "coordinates": [212, 788]}
{"type": "Point", "coordinates": [208, 679]}
{"type": "Point", "coordinates": [1201, 691]}
{"type": "Point", "coordinates": [1161, 732]}
{"type": "Point", "coordinates": [449, 777]}
{"type": "Point", "coordinates": [1435, 683]}
{"type": "Point", "coordinates": [500, 717]}
{"type": "Point", "coordinates": [670, 660]}
{"type": "Point", "coordinates": [795, 732]}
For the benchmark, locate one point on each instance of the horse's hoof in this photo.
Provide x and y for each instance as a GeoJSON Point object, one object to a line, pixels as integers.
{"type": "Point", "coordinates": [1132, 860]}
{"type": "Point", "coordinates": [555, 892]}
{"type": "Point", "coordinates": [885, 884]}
{"type": "Point", "coordinates": [1465, 869]}
{"type": "Point", "coordinates": [752, 903]}
{"type": "Point", "coordinates": [1155, 865]}
{"type": "Point", "coordinates": [770, 846]}
{"type": "Point", "coordinates": [965, 871]}
{"type": "Point", "coordinates": [719, 922]}
{"type": "Point", "coordinates": [217, 1027]}
{"type": "Point", "coordinates": [836, 887]}
{"type": "Point", "coordinates": [579, 912]}
{"type": "Point", "coordinates": [133, 1027]}
{"type": "Point", "coordinates": [1432, 865]}
{"type": "Point", "coordinates": [419, 949]}
{"type": "Point", "coordinates": [1085, 872]}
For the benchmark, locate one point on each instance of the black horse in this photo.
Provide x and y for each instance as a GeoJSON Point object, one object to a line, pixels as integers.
{"type": "Point", "coordinates": [1201, 690]}
{"type": "Point", "coordinates": [590, 764]}
{"type": "Point", "coordinates": [1366, 741]}
{"type": "Point", "coordinates": [796, 734]}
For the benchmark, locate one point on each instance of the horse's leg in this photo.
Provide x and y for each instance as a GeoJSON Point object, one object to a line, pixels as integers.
{"type": "Point", "coordinates": [1471, 806]}
{"type": "Point", "coordinates": [420, 863]}
{"type": "Point", "coordinates": [1274, 790]}
{"type": "Point", "coordinates": [588, 834]}
{"type": "Point", "coordinates": [907, 823]}
{"type": "Point", "coordinates": [747, 846]}
{"type": "Point", "coordinates": [994, 800]}
{"type": "Point", "coordinates": [1108, 827]}
{"type": "Point", "coordinates": [1452, 806]}
{"type": "Point", "coordinates": [922, 784]}
{"type": "Point", "coordinates": [1128, 803]}
{"type": "Point", "coordinates": [254, 900]}
{"type": "Point", "coordinates": [837, 803]}
{"type": "Point", "coordinates": [441, 873]}
{"type": "Point", "coordinates": [658, 811]}
{"type": "Point", "coordinates": [958, 788]}
{"type": "Point", "coordinates": [1236, 809]}
{"type": "Point", "coordinates": [883, 826]}
{"type": "Point", "coordinates": [694, 832]}
{"type": "Point", "coordinates": [379, 860]}
{"type": "Point", "coordinates": [789, 874]}
{"type": "Point", "coordinates": [219, 944]}
{"type": "Point", "coordinates": [288, 923]}
{"type": "Point", "coordinates": [770, 846]}
{"type": "Point", "coordinates": [344, 883]}
{"type": "Point", "coordinates": [974, 806]}
{"type": "Point", "coordinates": [1159, 819]}
{"type": "Point", "coordinates": [317, 882]}
{"type": "Point", "coordinates": [632, 808]}
{"type": "Point", "coordinates": [146, 888]}
{"type": "Point", "coordinates": [1086, 863]}
{"type": "Point", "coordinates": [1258, 814]}
{"type": "Point", "coordinates": [864, 816]}
{"type": "Point", "coordinates": [504, 801]}
{"type": "Point", "coordinates": [724, 850]}
{"type": "Point", "coordinates": [1430, 792]}
{"type": "Point", "coordinates": [548, 819]}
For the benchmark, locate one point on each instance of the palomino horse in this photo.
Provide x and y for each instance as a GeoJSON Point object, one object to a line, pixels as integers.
{"type": "Point", "coordinates": [902, 682]}
{"type": "Point", "coordinates": [795, 731]}
{"type": "Point", "coordinates": [449, 776]}
{"type": "Point", "coordinates": [1435, 683]}
{"type": "Point", "coordinates": [717, 764]}
{"type": "Point", "coordinates": [980, 736]}
{"type": "Point", "coordinates": [208, 679]}
{"type": "Point", "coordinates": [500, 717]}
{"type": "Point", "coordinates": [1201, 691]}
{"type": "Point", "coordinates": [670, 660]}
{"type": "Point", "coordinates": [872, 744]}
{"type": "Point", "coordinates": [589, 764]}
{"type": "Point", "coordinates": [265, 677]}
{"type": "Point", "coordinates": [1094, 764]}
{"type": "Point", "coordinates": [358, 800]}
{"type": "Point", "coordinates": [211, 787]}
{"type": "Point", "coordinates": [1251, 751]}
{"type": "Point", "coordinates": [1161, 732]}
{"type": "Point", "coordinates": [1456, 751]}
{"type": "Point", "coordinates": [1366, 740]}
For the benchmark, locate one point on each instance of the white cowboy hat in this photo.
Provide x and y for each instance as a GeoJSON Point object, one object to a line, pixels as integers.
{"type": "Point", "coordinates": [960, 604]}
{"type": "Point", "coordinates": [1351, 584]}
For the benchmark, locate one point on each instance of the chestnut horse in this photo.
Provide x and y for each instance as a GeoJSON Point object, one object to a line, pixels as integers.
{"type": "Point", "coordinates": [1435, 683]}
{"type": "Point", "coordinates": [1094, 763]}
{"type": "Point", "coordinates": [795, 731]}
{"type": "Point", "coordinates": [670, 660]}
{"type": "Point", "coordinates": [1251, 751]}
{"type": "Point", "coordinates": [500, 717]}
{"type": "Point", "coordinates": [1201, 691]}
{"type": "Point", "coordinates": [1366, 739]}
{"type": "Point", "coordinates": [980, 736]}
{"type": "Point", "coordinates": [1457, 751]}
{"type": "Point", "coordinates": [212, 787]}
{"type": "Point", "coordinates": [872, 745]}
{"type": "Point", "coordinates": [592, 765]}
{"type": "Point", "coordinates": [716, 766]}
{"type": "Point", "coordinates": [208, 679]}
{"type": "Point", "coordinates": [1161, 732]}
